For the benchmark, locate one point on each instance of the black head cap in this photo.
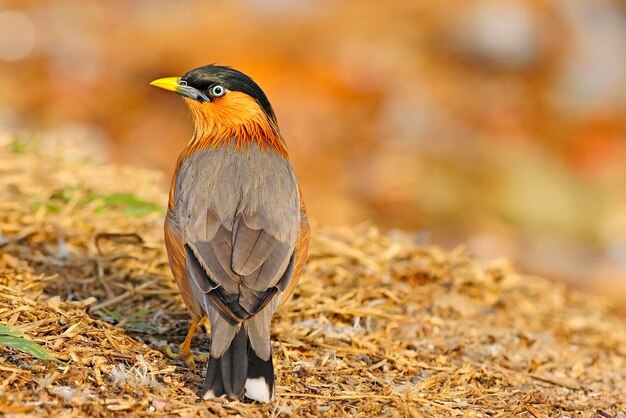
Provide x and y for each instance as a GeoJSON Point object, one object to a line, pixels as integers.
{"type": "Point", "coordinates": [203, 78]}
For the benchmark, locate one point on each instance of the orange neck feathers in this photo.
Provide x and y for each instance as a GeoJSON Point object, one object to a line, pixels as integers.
{"type": "Point", "coordinates": [235, 117]}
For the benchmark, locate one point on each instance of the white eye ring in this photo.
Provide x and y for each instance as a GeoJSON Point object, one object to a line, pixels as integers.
{"type": "Point", "coordinates": [217, 91]}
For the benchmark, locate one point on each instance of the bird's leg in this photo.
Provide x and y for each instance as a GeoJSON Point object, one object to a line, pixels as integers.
{"type": "Point", "coordinates": [184, 351]}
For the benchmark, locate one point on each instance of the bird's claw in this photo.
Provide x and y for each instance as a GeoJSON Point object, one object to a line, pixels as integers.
{"type": "Point", "coordinates": [185, 354]}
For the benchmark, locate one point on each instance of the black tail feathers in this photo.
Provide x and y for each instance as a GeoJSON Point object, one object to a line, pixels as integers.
{"type": "Point", "coordinates": [239, 372]}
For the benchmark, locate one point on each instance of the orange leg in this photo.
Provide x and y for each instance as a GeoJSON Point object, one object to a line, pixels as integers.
{"type": "Point", "coordinates": [184, 351]}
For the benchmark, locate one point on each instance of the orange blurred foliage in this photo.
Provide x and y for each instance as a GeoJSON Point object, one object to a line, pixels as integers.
{"type": "Point", "coordinates": [498, 120]}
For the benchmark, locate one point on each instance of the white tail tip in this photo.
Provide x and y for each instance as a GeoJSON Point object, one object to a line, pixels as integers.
{"type": "Point", "coordinates": [257, 390]}
{"type": "Point", "coordinates": [208, 395]}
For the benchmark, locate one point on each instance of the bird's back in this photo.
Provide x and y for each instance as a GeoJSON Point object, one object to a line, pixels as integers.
{"type": "Point", "coordinates": [238, 213]}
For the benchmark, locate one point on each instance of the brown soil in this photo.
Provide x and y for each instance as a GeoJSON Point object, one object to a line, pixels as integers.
{"type": "Point", "coordinates": [378, 327]}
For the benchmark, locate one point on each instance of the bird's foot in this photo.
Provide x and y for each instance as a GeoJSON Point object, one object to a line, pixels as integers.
{"type": "Point", "coordinates": [185, 354]}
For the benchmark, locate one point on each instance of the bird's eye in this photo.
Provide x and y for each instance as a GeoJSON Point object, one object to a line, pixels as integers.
{"type": "Point", "coordinates": [182, 83]}
{"type": "Point", "coordinates": [217, 91]}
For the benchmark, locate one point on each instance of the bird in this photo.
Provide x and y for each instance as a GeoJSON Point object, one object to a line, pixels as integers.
{"type": "Point", "coordinates": [236, 229]}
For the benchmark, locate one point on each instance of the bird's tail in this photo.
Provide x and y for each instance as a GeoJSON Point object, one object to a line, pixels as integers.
{"type": "Point", "coordinates": [239, 371]}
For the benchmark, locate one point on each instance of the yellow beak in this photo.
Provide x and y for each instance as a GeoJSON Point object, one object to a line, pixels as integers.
{"type": "Point", "coordinates": [167, 83]}
{"type": "Point", "coordinates": [174, 84]}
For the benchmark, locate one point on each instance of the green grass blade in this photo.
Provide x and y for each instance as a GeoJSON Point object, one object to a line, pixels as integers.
{"type": "Point", "coordinates": [26, 346]}
{"type": "Point", "coordinates": [130, 204]}
{"type": "Point", "coordinates": [4, 330]}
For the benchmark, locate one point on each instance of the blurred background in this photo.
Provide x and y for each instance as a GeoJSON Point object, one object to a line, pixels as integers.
{"type": "Point", "coordinates": [500, 124]}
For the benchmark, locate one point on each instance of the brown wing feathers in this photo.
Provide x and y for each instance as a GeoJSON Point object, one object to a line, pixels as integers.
{"type": "Point", "coordinates": [244, 274]}
{"type": "Point", "coordinates": [300, 255]}
{"type": "Point", "coordinates": [178, 263]}
{"type": "Point", "coordinates": [251, 246]}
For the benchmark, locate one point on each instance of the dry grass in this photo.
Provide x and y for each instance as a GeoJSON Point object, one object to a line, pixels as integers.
{"type": "Point", "coordinates": [378, 327]}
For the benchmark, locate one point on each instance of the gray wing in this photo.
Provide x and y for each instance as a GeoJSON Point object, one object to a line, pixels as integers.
{"type": "Point", "coordinates": [239, 221]}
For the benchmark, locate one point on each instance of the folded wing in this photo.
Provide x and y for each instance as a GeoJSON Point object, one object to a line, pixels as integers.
{"type": "Point", "coordinates": [240, 242]}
